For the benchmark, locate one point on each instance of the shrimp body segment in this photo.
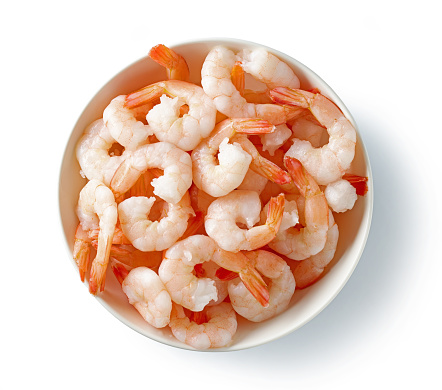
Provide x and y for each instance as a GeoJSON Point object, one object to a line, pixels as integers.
{"type": "Point", "coordinates": [97, 209]}
{"type": "Point", "coordinates": [329, 162]}
{"type": "Point", "coordinates": [216, 332]}
{"type": "Point", "coordinates": [244, 207]}
{"type": "Point", "coordinates": [281, 290]}
{"type": "Point", "coordinates": [217, 83]}
{"type": "Point", "coordinates": [147, 235]}
{"type": "Point", "coordinates": [185, 131]}
{"type": "Point", "coordinates": [146, 293]}
{"type": "Point", "coordinates": [176, 163]}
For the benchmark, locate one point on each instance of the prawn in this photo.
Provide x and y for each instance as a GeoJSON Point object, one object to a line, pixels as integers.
{"type": "Point", "coordinates": [219, 175]}
{"type": "Point", "coordinates": [214, 328]}
{"type": "Point", "coordinates": [146, 293]}
{"type": "Point", "coordinates": [97, 209]}
{"type": "Point", "coordinates": [123, 124]}
{"type": "Point", "coordinates": [242, 207]}
{"type": "Point", "coordinates": [175, 64]}
{"type": "Point", "coordinates": [310, 239]}
{"type": "Point", "coordinates": [186, 131]}
{"type": "Point", "coordinates": [281, 289]}
{"type": "Point", "coordinates": [329, 162]}
{"type": "Point", "coordinates": [147, 235]}
{"type": "Point", "coordinates": [308, 271]}
{"type": "Point", "coordinates": [176, 163]}
{"type": "Point", "coordinates": [217, 83]}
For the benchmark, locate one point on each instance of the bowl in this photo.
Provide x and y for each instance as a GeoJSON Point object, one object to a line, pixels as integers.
{"type": "Point", "coordinates": [306, 303]}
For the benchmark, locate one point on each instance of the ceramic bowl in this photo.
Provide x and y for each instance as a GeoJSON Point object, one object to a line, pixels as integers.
{"type": "Point", "coordinates": [307, 303]}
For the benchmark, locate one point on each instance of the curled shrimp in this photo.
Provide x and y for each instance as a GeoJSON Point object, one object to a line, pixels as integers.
{"type": "Point", "coordinates": [185, 131]}
{"type": "Point", "coordinates": [310, 239]}
{"type": "Point", "coordinates": [217, 83]}
{"type": "Point", "coordinates": [147, 235]}
{"type": "Point", "coordinates": [92, 153]}
{"type": "Point", "coordinates": [214, 327]}
{"type": "Point", "coordinates": [146, 293]}
{"type": "Point", "coordinates": [328, 163]}
{"type": "Point", "coordinates": [176, 163]}
{"type": "Point", "coordinates": [123, 124]}
{"type": "Point", "coordinates": [175, 64]}
{"type": "Point", "coordinates": [242, 207]}
{"type": "Point", "coordinates": [97, 209]}
{"type": "Point", "coordinates": [308, 271]}
{"type": "Point", "coordinates": [280, 293]}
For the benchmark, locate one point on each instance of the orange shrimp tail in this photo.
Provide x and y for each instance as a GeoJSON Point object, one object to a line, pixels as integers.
{"type": "Point", "coordinates": [176, 65]}
{"type": "Point", "coordinates": [252, 126]}
{"type": "Point", "coordinates": [237, 76]}
{"type": "Point", "coordinates": [288, 96]}
{"type": "Point", "coordinates": [99, 265]}
{"type": "Point", "coordinates": [120, 272]}
{"type": "Point", "coordinates": [358, 182]}
{"type": "Point", "coordinates": [275, 212]}
{"type": "Point", "coordinates": [144, 95]}
{"type": "Point", "coordinates": [270, 171]}
{"type": "Point", "coordinates": [297, 173]}
{"type": "Point", "coordinates": [225, 275]}
{"type": "Point", "coordinates": [256, 285]}
{"type": "Point", "coordinates": [82, 254]}
{"type": "Point", "coordinates": [194, 225]}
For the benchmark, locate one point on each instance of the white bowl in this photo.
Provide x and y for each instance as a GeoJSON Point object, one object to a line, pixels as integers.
{"type": "Point", "coordinates": [307, 303]}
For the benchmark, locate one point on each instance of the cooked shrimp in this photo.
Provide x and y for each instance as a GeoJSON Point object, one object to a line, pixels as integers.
{"type": "Point", "coordinates": [281, 289]}
{"type": "Point", "coordinates": [82, 250]}
{"type": "Point", "coordinates": [146, 293]}
{"type": "Point", "coordinates": [147, 235]}
{"type": "Point", "coordinates": [309, 271]}
{"type": "Point", "coordinates": [242, 207]}
{"type": "Point", "coordinates": [123, 125]}
{"type": "Point", "coordinates": [187, 131]}
{"type": "Point", "coordinates": [92, 153]}
{"type": "Point", "coordinates": [272, 141]}
{"type": "Point", "coordinates": [175, 64]}
{"type": "Point", "coordinates": [217, 83]}
{"type": "Point", "coordinates": [176, 163]}
{"type": "Point", "coordinates": [328, 163]}
{"type": "Point", "coordinates": [216, 331]}
{"type": "Point", "coordinates": [219, 175]}
{"type": "Point", "coordinates": [253, 182]}
{"type": "Point", "coordinates": [97, 209]}
{"type": "Point", "coordinates": [307, 130]}
{"type": "Point", "coordinates": [341, 195]}
{"type": "Point", "coordinates": [309, 240]}
{"type": "Point", "coordinates": [209, 269]}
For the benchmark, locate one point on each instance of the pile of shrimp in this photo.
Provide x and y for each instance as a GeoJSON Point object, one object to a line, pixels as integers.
{"type": "Point", "coordinates": [214, 201]}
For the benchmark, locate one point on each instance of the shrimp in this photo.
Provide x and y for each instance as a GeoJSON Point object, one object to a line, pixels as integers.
{"type": "Point", "coordinates": [328, 163]}
{"type": "Point", "coordinates": [271, 142]}
{"type": "Point", "coordinates": [280, 293]}
{"type": "Point", "coordinates": [146, 293]}
{"type": "Point", "coordinates": [217, 83]}
{"type": "Point", "coordinates": [147, 235]}
{"type": "Point", "coordinates": [216, 331]}
{"type": "Point", "coordinates": [217, 176]}
{"type": "Point", "coordinates": [187, 131]}
{"type": "Point", "coordinates": [123, 125]}
{"type": "Point", "coordinates": [97, 209]}
{"type": "Point", "coordinates": [92, 153]}
{"type": "Point", "coordinates": [209, 269]}
{"type": "Point", "coordinates": [242, 207]}
{"type": "Point", "coordinates": [253, 182]}
{"type": "Point", "coordinates": [175, 64]}
{"type": "Point", "coordinates": [176, 163]}
{"type": "Point", "coordinates": [308, 271]}
{"type": "Point", "coordinates": [309, 240]}
{"type": "Point", "coordinates": [341, 195]}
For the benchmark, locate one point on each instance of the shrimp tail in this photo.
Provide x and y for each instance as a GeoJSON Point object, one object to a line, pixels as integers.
{"type": "Point", "coordinates": [123, 179]}
{"type": "Point", "coordinates": [120, 272]}
{"type": "Point", "coordinates": [82, 252]}
{"type": "Point", "coordinates": [291, 97]}
{"type": "Point", "coordinates": [225, 275]}
{"type": "Point", "coordinates": [176, 65]}
{"type": "Point", "coordinates": [256, 285]}
{"type": "Point", "coordinates": [297, 173]}
{"type": "Point", "coordinates": [237, 76]}
{"type": "Point", "coordinates": [99, 265]}
{"type": "Point", "coordinates": [358, 182]}
{"type": "Point", "coordinates": [252, 126]}
{"type": "Point", "coordinates": [275, 212]}
{"type": "Point", "coordinates": [144, 95]}
{"type": "Point", "coordinates": [270, 170]}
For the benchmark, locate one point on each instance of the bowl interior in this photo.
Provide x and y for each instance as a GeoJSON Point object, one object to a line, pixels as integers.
{"type": "Point", "coordinates": [306, 304]}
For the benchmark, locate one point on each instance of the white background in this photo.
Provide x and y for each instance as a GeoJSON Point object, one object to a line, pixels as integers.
{"type": "Point", "coordinates": [383, 60]}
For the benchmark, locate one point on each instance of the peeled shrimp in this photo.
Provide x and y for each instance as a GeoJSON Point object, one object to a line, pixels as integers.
{"type": "Point", "coordinates": [146, 293]}
{"type": "Point", "coordinates": [281, 289]}
{"type": "Point", "coordinates": [92, 153]}
{"type": "Point", "coordinates": [216, 331]}
{"type": "Point", "coordinates": [341, 195]}
{"type": "Point", "coordinates": [176, 164]}
{"type": "Point", "coordinates": [217, 83]}
{"type": "Point", "coordinates": [147, 235]}
{"type": "Point", "coordinates": [309, 240]}
{"type": "Point", "coordinates": [242, 207]}
{"type": "Point", "coordinates": [328, 163]}
{"type": "Point", "coordinates": [123, 124]}
{"type": "Point", "coordinates": [309, 271]}
{"type": "Point", "coordinates": [97, 209]}
{"type": "Point", "coordinates": [175, 64]}
{"type": "Point", "coordinates": [187, 131]}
